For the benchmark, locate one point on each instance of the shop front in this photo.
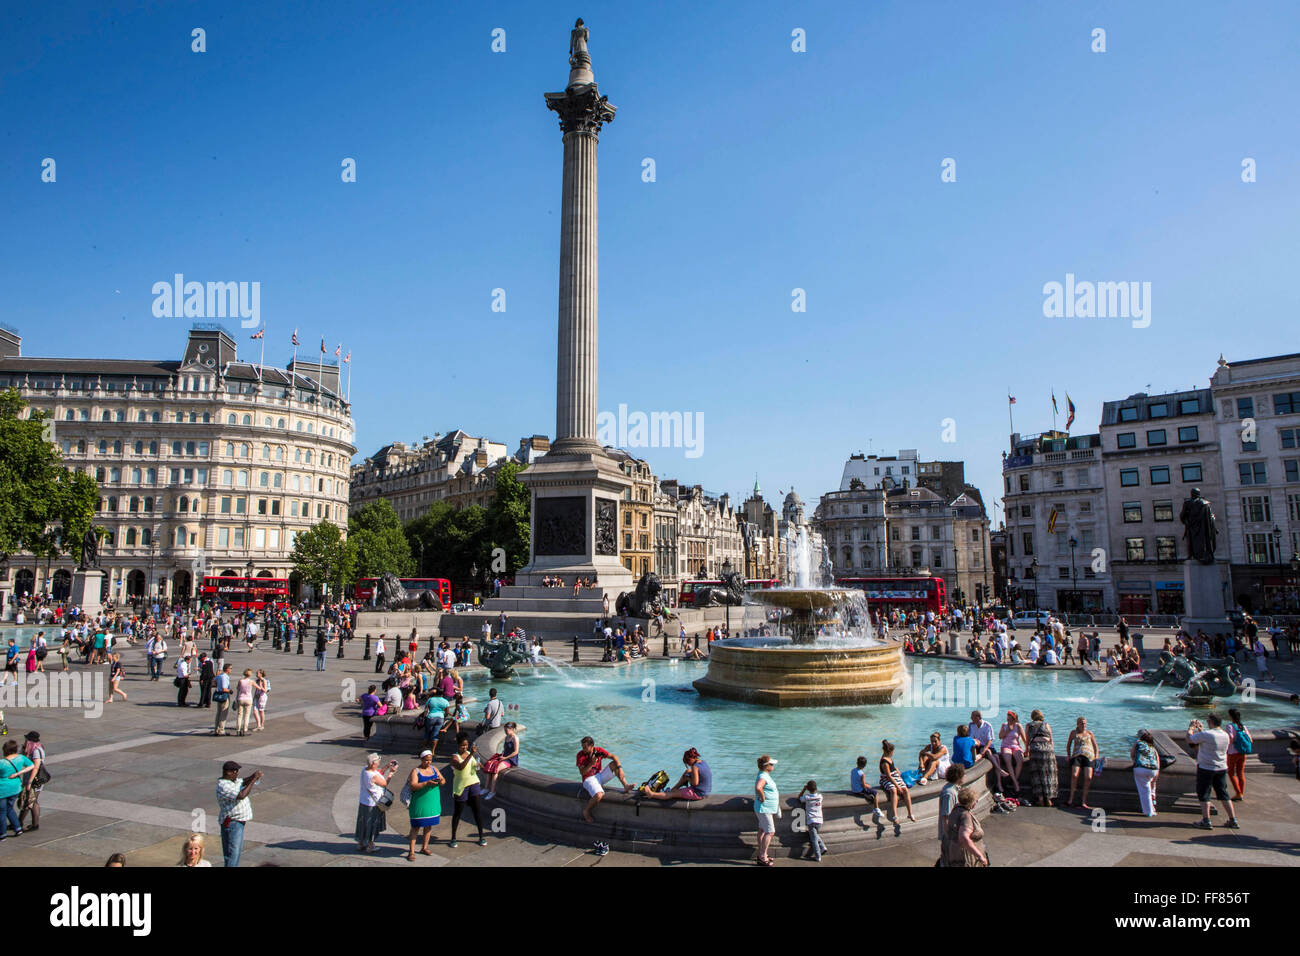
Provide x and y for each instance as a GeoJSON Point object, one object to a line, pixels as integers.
{"type": "Point", "coordinates": [1169, 597]}
{"type": "Point", "coordinates": [1134, 597]}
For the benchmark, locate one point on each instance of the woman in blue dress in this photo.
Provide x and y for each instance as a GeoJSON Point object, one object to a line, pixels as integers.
{"type": "Point", "coordinates": [426, 803]}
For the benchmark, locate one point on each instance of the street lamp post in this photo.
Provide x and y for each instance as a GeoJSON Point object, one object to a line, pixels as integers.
{"type": "Point", "coordinates": [1074, 576]}
{"type": "Point", "coordinates": [726, 569]}
{"type": "Point", "coordinates": [1033, 574]}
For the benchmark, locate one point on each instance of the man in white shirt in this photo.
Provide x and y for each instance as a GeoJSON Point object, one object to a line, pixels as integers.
{"type": "Point", "coordinates": [492, 712]}
{"type": "Point", "coordinates": [234, 809]}
{"type": "Point", "coordinates": [1211, 768]}
{"type": "Point", "coordinates": [380, 650]}
{"type": "Point", "coordinates": [982, 733]}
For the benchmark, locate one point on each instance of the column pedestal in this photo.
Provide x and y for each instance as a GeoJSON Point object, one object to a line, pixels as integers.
{"type": "Point", "coordinates": [575, 530]}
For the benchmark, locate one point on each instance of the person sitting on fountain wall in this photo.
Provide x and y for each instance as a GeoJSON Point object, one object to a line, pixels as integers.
{"type": "Point", "coordinates": [982, 732]}
{"type": "Point", "coordinates": [695, 654]}
{"type": "Point", "coordinates": [695, 784]}
{"type": "Point", "coordinates": [858, 785]}
{"type": "Point", "coordinates": [891, 781]}
{"type": "Point", "coordinates": [933, 760]}
{"type": "Point", "coordinates": [594, 776]}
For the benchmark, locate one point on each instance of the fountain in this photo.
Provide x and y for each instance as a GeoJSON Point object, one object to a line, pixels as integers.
{"type": "Point", "coordinates": [807, 646]}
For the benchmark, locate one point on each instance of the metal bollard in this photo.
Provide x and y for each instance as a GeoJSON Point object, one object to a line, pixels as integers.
{"type": "Point", "coordinates": [300, 642]}
{"type": "Point", "coordinates": [366, 656]}
{"type": "Point", "coordinates": [575, 648]}
{"type": "Point", "coordinates": [342, 639]}
{"type": "Point", "coordinates": [665, 643]}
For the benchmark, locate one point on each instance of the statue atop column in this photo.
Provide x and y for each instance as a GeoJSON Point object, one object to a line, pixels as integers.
{"type": "Point", "coordinates": [1199, 529]}
{"type": "Point", "coordinates": [578, 42]}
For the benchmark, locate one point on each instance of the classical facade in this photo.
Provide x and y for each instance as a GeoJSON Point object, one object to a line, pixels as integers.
{"type": "Point", "coordinates": [1054, 494]}
{"type": "Point", "coordinates": [891, 516]}
{"type": "Point", "coordinates": [206, 465]}
{"type": "Point", "coordinates": [1155, 449]}
{"type": "Point", "coordinates": [636, 515]}
{"type": "Point", "coordinates": [1257, 417]}
{"type": "Point", "coordinates": [665, 542]}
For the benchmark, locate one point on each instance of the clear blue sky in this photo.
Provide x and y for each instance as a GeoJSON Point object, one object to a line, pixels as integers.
{"type": "Point", "coordinates": [776, 170]}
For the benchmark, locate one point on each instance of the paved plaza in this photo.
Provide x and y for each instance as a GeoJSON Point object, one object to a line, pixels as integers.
{"type": "Point", "coordinates": [140, 777]}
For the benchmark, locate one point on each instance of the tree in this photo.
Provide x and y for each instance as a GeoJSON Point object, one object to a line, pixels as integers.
{"type": "Point", "coordinates": [45, 508]}
{"type": "Point", "coordinates": [321, 555]}
{"type": "Point", "coordinates": [508, 521]}
{"type": "Point", "coordinates": [381, 545]}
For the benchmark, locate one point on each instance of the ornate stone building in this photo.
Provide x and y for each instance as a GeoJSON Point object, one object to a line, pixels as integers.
{"type": "Point", "coordinates": [206, 465]}
{"type": "Point", "coordinates": [636, 515]}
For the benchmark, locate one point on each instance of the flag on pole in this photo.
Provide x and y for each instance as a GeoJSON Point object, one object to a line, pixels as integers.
{"type": "Point", "coordinates": [347, 358]}
{"type": "Point", "coordinates": [1069, 411]}
{"type": "Point", "coordinates": [1051, 522]}
{"type": "Point", "coordinates": [339, 350]}
{"type": "Point", "coordinates": [1053, 401]}
{"type": "Point", "coordinates": [1010, 400]}
{"type": "Point", "coordinates": [295, 338]}
{"type": "Point", "coordinates": [259, 334]}
{"type": "Point", "coordinates": [322, 345]}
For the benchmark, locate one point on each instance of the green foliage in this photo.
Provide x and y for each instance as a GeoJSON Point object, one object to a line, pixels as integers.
{"type": "Point", "coordinates": [321, 555]}
{"type": "Point", "coordinates": [45, 508]}
{"type": "Point", "coordinates": [463, 546]}
{"type": "Point", "coordinates": [381, 545]}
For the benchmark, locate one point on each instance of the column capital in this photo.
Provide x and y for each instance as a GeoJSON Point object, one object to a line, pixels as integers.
{"type": "Point", "coordinates": [582, 109]}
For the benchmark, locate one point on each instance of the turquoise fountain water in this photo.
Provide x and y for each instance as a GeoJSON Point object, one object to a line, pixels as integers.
{"type": "Point", "coordinates": [648, 713]}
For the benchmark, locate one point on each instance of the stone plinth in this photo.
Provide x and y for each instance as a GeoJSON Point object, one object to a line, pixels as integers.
{"type": "Point", "coordinates": [87, 585]}
{"type": "Point", "coordinates": [1203, 598]}
{"type": "Point", "coordinates": [575, 520]}
{"type": "Point", "coordinates": [774, 673]}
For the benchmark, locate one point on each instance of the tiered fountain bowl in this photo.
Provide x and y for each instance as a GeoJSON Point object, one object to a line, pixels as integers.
{"type": "Point", "coordinates": [821, 654]}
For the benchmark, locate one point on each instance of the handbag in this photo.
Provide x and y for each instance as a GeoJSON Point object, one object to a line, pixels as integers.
{"type": "Point", "coordinates": [406, 794]}
{"type": "Point", "coordinates": [385, 801]}
{"type": "Point", "coordinates": [221, 696]}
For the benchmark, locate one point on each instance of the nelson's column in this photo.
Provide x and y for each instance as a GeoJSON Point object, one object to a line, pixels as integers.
{"type": "Point", "coordinates": [576, 487]}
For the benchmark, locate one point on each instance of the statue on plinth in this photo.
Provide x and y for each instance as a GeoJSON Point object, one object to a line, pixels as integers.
{"type": "Point", "coordinates": [1199, 529]}
{"type": "Point", "coordinates": [89, 550]}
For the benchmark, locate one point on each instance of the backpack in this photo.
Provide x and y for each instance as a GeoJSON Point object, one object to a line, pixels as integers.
{"type": "Point", "coordinates": [1243, 741]}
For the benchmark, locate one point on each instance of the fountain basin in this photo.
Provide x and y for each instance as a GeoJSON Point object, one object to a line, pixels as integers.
{"type": "Point", "coordinates": [776, 672]}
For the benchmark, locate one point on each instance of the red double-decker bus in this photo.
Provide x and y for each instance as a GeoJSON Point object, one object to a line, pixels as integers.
{"type": "Point", "coordinates": [365, 588]}
{"type": "Point", "coordinates": [686, 593]}
{"type": "Point", "coordinates": [245, 594]}
{"type": "Point", "coordinates": [919, 593]}
{"type": "Point", "coordinates": [760, 584]}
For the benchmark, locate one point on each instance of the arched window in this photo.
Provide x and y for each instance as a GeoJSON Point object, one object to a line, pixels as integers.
{"type": "Point", "coordinates": [69, 416]}
{"type": "Point", "coordinates": [103, 446]}
{"type": "Point", "coordinates": [146, 536]}
{"type": "Point", "coordinates": [277, 481]}
{"type": "Point", "coordinates": [130, 536]}
{"type": "Point", "coordinates": [227, 477]}
{"type": "Point", "coordinates": [106, 417]}
{"type": "Point", "coordinates": [279, 453]}
{"type": "Point", "coordinates": [248, 419]}
{"type": "Point", "coordinates": [295, 483]}
{"type": "Point", "coordinates": [139, 448]}
{"type": "Point", "coordinates": [112, 502]}
{"type": "Point", "coordinates": [182, 537]}
{"type": "Point", "coordinates": [266, 449]}
{"type": "Point", "coordinates": [267, 421]}
{"type": "Point", "coordinates": [133, 504]}
{"type": "Point", "coordinates": [279, 423]}
{"type": "Point", "coordinates": [245, 451]}
{"type": "Point", "coordinates": [230, 449]}
{"type": "Point", "coordinates": [136, 475]}
{"type": "Point", "coordinates": [153, 448]}
{"type": "Point", "coordinates": [148, 503]}
{"type": "Point", "coordinates": [185, 504]}
{"type": "Point", "coordinates": [243, 479]}
{"type": "Point", "coordinates": [299, 426]}
{"type": "Point", "coordinates": [231, 419]}
{"type": "Point", "coordinates": [115, 475]}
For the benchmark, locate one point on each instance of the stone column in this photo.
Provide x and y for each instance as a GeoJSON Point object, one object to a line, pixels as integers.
{"type": "Point", "coordinates": [583, 111]}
